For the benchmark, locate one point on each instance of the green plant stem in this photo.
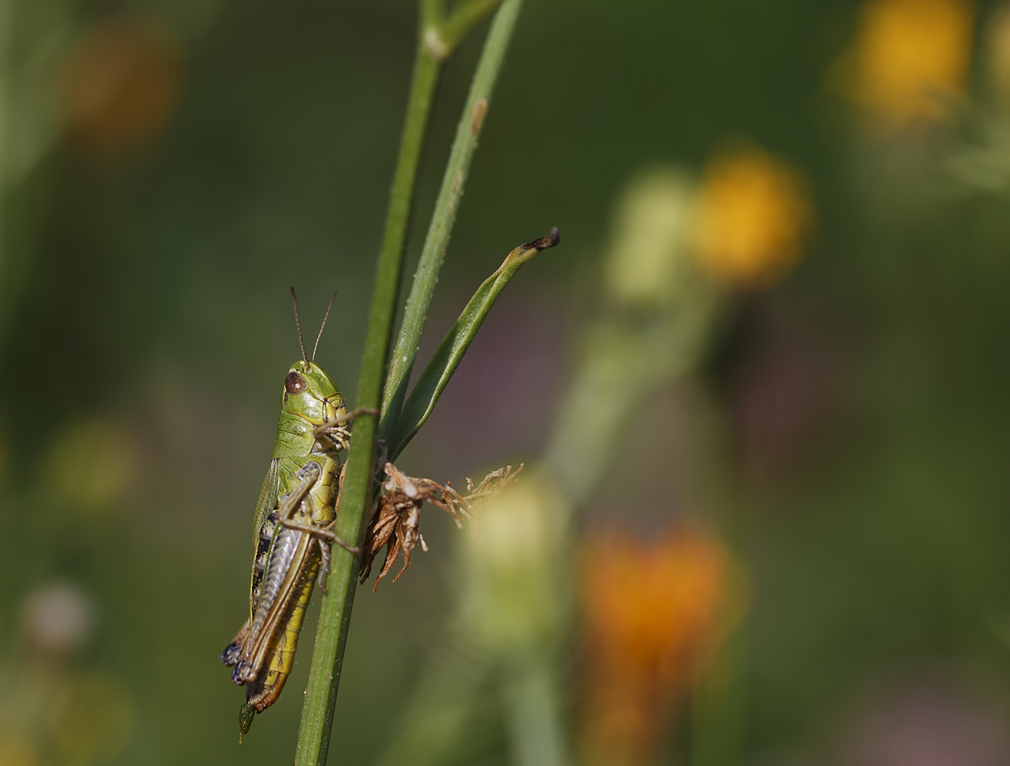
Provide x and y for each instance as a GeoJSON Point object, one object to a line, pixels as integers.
{"type": "Point", "coordinates": [464, 17]}
{"type": "Point", "coordinates": [358, 484]}
{"type": "Point", "coordinates": [331, 635]}
{"type": "Point", "coordinates": [444, 216]}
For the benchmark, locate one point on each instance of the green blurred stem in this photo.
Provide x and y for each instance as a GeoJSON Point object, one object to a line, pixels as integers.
{"type": "Point", "coordinates": [718, 707]}
{"type": "Point", "coordinates": [358, 485]}
{"type": "Point", "coordinates": [625, 360]}
{"type": "Point", "coordinates": [434, 721]}
{"type": "Point", "coordinates": [7, 296]}
{"type": "Point", "coordinates": [449, 196]}
{"type": "Point", "coordinates": [531, 704]}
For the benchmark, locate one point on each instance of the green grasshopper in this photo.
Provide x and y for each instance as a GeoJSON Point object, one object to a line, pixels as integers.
{"type": "Point", "coordinates": [295, 513]}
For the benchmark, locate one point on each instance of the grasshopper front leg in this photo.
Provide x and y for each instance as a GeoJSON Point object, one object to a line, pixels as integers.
{"type": "Point", "coordinates": [336, 430]}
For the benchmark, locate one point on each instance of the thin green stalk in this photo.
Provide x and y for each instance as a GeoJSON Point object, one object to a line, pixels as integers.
{"type": "Point", "coordinates": [464, 17]}
{"type": "Point", "coordinates": [444, 216]}
{"type": "Point", "coordinates": [358, 484]}
{"type": "Point", "coordinates": [331, 635]}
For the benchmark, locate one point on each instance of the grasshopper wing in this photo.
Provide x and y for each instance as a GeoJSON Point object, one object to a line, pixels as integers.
{"type": "Point", "coordinates": [261, 547]}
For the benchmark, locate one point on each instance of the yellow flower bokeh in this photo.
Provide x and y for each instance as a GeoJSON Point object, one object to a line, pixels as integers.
{"type": "Point", "coordinates": [752, 218]}
{"type": "Point", "coordinates": [906, 54]}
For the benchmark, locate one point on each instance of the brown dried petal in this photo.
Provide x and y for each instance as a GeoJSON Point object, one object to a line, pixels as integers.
{"type": "Point", "coordinates": [490, 485]}
{"type": "Point", "coordinates": [396, 524]}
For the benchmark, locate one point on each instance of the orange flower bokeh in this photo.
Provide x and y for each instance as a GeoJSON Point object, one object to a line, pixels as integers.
{"type": "Point", "coordinates": [120, 84]}
{"type": "Point", "coordinates": [654, 612]}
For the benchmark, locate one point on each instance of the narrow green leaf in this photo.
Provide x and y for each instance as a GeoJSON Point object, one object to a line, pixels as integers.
{"type": "Point", "coordinates": [450, 352]}
{"type": "Point", "coordinates": [449, 197]}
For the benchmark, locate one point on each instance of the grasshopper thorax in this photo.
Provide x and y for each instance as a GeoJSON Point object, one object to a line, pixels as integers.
{"type": "Point", "coordinates": [309, 400]}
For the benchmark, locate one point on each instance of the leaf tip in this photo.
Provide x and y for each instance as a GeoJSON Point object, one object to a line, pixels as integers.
{"type": "Point", "coordinates": [544, 242]}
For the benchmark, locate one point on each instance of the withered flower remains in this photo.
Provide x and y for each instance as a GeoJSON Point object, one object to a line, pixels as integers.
{"type": "Point", "coordinates": [396, 522]}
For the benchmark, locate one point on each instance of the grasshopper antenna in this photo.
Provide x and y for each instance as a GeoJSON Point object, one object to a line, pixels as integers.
{"type": "Point", "coordinates": [298, 324]}
{"type": "Point", "coordinates": [323, 326]}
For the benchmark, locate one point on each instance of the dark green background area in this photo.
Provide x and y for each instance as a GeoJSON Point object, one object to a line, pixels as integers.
{"type": "Point", "coordinates": [155, 296]}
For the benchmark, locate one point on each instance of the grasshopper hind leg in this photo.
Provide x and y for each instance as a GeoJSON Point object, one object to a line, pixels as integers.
{"type": "Point", "coordinates": [233, 651]}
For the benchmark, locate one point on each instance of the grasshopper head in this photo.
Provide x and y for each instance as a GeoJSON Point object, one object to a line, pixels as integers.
{"type": "Point", "coordinates": [310, 394]}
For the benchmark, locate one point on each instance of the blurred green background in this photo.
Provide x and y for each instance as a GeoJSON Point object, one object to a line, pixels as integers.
{"type": "Point", "coordinates": [169, 169]}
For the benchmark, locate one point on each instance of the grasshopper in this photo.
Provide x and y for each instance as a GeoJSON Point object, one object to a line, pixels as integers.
{"type": "Point", "coordinates": [292, 532]}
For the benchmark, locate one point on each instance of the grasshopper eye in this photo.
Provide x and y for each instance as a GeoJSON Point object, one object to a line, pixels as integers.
{"type": "Point", "coordinates": [295, 383]}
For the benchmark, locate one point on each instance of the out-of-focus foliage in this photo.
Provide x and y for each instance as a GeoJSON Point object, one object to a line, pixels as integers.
{"type": "Point", "coordinates": [770, 350]}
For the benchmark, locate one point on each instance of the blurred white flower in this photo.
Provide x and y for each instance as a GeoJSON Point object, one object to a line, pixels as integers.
{"type": "Point", "coordinates": [57, 619]}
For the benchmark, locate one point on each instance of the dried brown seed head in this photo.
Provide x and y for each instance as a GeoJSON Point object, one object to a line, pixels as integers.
{"type": "Point", "coordinates": [396, 522]}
